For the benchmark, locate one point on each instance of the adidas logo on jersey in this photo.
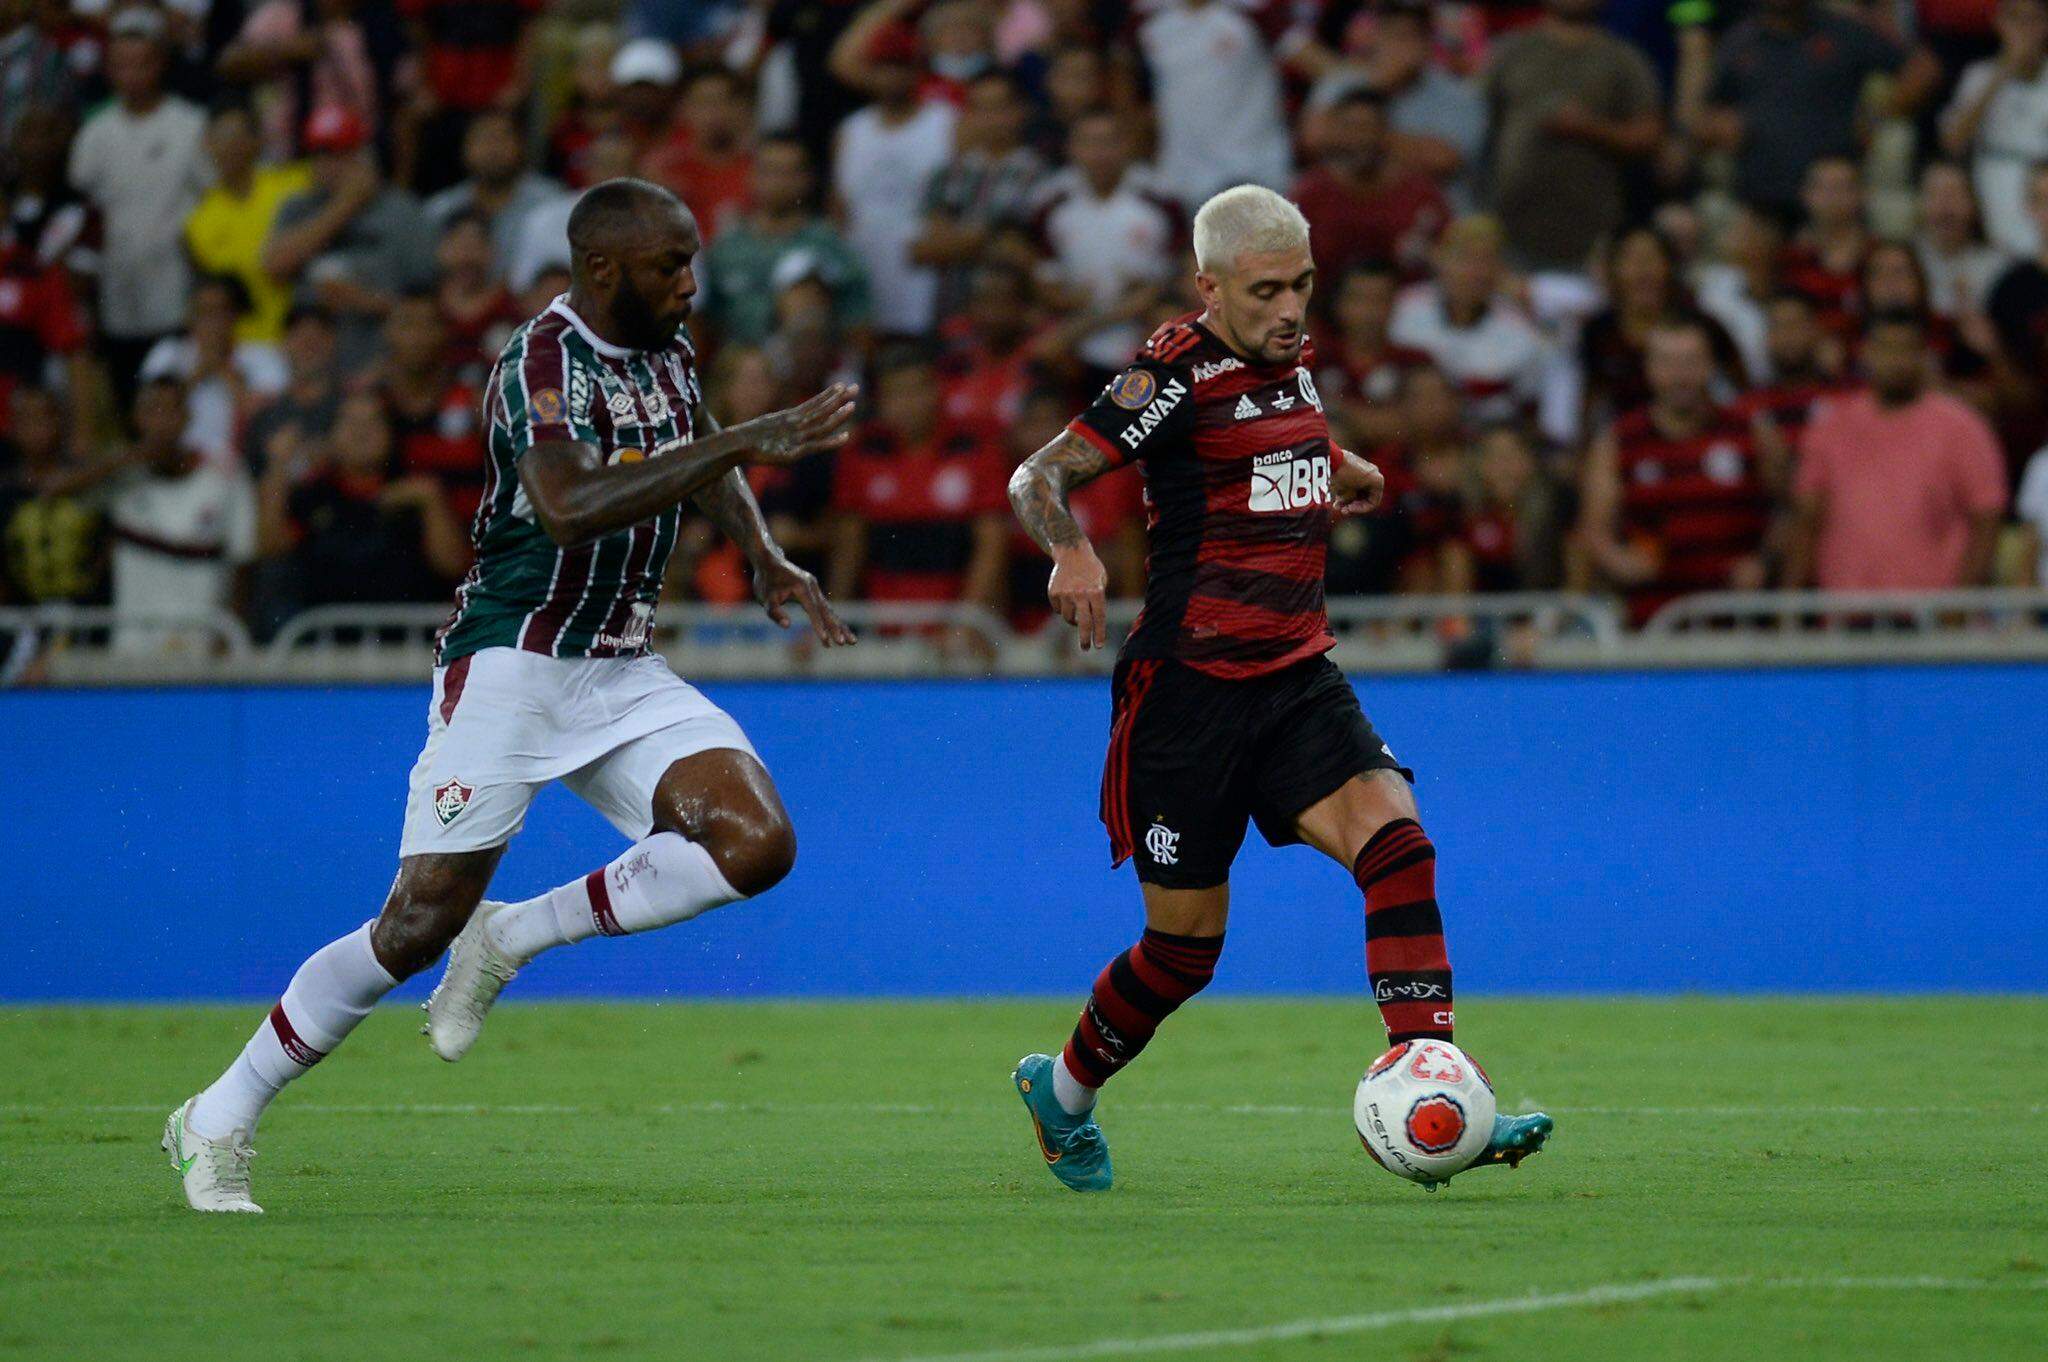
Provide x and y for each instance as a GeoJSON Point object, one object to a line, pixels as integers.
{"type": "Point", "coordinates": [1247, 409]}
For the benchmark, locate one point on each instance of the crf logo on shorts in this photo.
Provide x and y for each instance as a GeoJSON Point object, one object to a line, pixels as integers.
{"type": "Point", "coordinates": [1163, 843]}
{"type": "Point", "coordinates": [1285, 481]}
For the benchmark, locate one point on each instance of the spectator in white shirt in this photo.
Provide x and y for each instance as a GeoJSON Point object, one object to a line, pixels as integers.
{"type": "Point", "coordinates": [1960, 265]}
{"type": "Point", "coordinates": [887, 153]}
{"type": "Point", "coordinates": [1477, 335]}
{"type": "Point", "coordinates": [2031, 506]}
{"type": "Point", "coordinates": [225, 379]}
{"type": "Point", "coordinates": [1112, 239]}
{"type": "Point", "coordinates": [1998, 121]}
{"type": "Point", "coordinates": [142, 162]}
{"type": "Point", "coordinates": [1217, 93]}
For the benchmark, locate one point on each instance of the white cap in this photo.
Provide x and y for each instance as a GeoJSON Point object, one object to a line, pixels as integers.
{"type": "Point", "coordinates": [647, 61]}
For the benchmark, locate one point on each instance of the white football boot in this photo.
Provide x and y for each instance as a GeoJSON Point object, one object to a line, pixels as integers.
{"type": "Point", "coordinates": [215, 1172]}
{"type": "Point", "coordinates": [477, 973]}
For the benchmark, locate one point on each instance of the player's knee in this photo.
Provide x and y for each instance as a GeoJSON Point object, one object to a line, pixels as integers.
{"type": "Point", "coordinates": [755, 853]}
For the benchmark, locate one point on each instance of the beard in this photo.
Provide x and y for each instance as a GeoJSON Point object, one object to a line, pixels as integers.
{"type": "Point", "coordinates": [642, 326]}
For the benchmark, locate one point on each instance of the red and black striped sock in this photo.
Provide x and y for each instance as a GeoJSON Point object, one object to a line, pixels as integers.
{"type": "Point", "coordinates": [1137, 991]}
{"type": "Point", "coordinates": [1405, 960]}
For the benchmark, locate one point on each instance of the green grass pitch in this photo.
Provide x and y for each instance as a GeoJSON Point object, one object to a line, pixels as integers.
{"type": "Point", "coordinates": [1861, 1179]}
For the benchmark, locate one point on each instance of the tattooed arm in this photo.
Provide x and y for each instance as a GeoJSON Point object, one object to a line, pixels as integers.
{"type": "Point", "coordinates": [1039, 490]}
{"type": "Point", "coordinates": [730, 504]}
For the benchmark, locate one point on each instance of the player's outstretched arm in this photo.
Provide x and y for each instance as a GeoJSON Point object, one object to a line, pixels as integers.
{"type": "Point", "coordinates": [730, 503]}
{"type": "Point", "coordinates": [1038, 491]}
{"type": "Point", "coordinates": [578, 497]}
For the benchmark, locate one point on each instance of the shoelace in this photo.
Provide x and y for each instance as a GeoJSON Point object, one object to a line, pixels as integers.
{"type": "Point", "coordinates": [229, 1165]}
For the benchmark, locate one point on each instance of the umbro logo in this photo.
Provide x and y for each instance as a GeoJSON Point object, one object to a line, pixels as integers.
{"type": "Point", "coordinates": [1247, 409]}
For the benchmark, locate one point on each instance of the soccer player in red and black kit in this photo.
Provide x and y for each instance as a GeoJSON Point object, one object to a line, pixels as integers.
{"type": "Point", "coordinates": [1226, 711]}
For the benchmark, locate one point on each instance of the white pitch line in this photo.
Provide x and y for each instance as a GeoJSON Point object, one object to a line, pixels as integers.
{"type": "Point", "coordinates": [1616, 1293]}
{"type": "Point", "coordinates": [773, 1108]}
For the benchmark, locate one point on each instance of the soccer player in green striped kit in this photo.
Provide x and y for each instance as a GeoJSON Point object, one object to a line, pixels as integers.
{"type": "Point", "coordinates": [598, 434]}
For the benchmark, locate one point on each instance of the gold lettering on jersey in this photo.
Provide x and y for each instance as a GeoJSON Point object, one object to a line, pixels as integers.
{"type": "Point", "coordinates": [1148, 420]}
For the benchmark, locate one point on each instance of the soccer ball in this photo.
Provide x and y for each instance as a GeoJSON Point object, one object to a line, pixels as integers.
{"type": "Point", "coordinates": [1424, 1111]}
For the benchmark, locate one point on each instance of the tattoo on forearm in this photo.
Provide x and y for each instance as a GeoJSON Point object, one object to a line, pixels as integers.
{"type": "Point", "coordinates": [1040, 487]}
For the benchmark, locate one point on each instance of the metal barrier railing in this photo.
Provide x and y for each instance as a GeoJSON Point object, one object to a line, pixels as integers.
{"type": "Point", "coordinates": [83, 645]}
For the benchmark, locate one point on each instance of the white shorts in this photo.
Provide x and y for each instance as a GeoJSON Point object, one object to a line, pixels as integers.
{"type": "Point", "coordinates": [503, 723]}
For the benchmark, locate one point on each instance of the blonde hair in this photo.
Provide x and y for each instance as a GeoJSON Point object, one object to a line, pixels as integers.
{"type": "Point", "coordinates": [1247, 220]}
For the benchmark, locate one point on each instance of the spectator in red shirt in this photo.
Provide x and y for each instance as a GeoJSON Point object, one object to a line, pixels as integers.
{"type": "Point", "coordinates": [988, 363]}
{"type": "Point", "coordinates": [1110, 510]}
{"type": "Point", "coordinates": [1360, 204]}
{"type": "Point", "coordinates": [1823, 262]}
{"type": "Point", "coordinates": [476, 307]}
{"type": "Point", "coordinates": [1644, 289]}
{"type": "Point", "coordinates": [432, 413]}
{"type": "Point", "coordinates": [1362, 366]}
{"type": "Point", "coordinates": [1803, 374]}
{"type": "Point", "coordinates": [1900, 488]}
{"type": "Point", "coordinates": [707, 157]}
{"type": "Point", "coordinates": [475, 55]}
{"type": "Point", "coordinates": [1510, 535]}
{"type": "Point", "coordinates": [922, 506]}
{"type": "Point", "coordinates": [40, 317]}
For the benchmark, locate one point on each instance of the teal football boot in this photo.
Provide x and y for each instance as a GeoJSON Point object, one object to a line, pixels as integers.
{"type": "Point", "coordinates": [1073, 1145]}
{"type": "Point", "coordinates": [1515, 1138]}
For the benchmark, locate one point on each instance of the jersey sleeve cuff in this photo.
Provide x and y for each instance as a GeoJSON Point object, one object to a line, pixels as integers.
{"type": "Point", "coordinates": [1094, 437]}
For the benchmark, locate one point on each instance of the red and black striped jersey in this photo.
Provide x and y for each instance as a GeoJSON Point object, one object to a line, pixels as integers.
{"type": "Point", "coordinates": [1236, 458]}
{"type": "Point", "coordinates": [1697, 501]}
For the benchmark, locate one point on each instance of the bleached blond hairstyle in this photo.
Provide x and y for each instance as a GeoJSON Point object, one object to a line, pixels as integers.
{"type": "Point", "coordinates": [1247, 220]}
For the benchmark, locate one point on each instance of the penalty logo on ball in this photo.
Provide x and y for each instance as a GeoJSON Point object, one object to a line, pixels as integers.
{"type": "Point", "coordinates": [1435, 1123]}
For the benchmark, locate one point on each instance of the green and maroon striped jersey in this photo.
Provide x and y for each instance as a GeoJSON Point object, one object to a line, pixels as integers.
{"type": "Point", "coordinates": [558, 380]}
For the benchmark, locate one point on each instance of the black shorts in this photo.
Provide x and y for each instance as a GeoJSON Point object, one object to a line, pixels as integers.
{"type": "Point", "coordinates": [1192, 757]}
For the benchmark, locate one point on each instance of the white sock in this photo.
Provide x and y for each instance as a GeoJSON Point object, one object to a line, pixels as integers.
{"type": "Point", "coordinates": [333, 990]}
{"type": "Point", "coordinates": [1075, 1097]}
{"type": "Point", "coordinates": [661, 879]}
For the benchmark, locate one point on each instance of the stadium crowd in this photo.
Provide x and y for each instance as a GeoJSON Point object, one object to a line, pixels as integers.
{"type": "Point", "coordinates": [1641, 296]}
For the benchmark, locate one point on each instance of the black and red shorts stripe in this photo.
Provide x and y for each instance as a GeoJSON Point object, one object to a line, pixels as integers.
{"type": "Point", "coordinates": [1194, 758]}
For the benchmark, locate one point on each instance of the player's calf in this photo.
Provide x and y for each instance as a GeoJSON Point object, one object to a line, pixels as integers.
{"type": "Point", "coordinates": [1405, 958]}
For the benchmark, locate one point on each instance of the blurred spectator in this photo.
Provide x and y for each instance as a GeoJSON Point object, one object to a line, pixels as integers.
{"type": "Point", "coordinates": [1510, 536]}
{"type": "Point", "coordinates": [886, 155]}
{"type": "Point", "coordinates": [182, 524]}
{"type": "Point", "coordinates": [2031, 506]}
{"type": "Point", "coordinates": [1407, 546]}
{"type": "Point", "coordinates": [1788, 89]}
{"type": "Point", "coordinates": [433, 413]}
{"type": "Point", "coordinates": [1644, 292]}
{"type": "Point", "coordinates": [44, 214]}
{"type": "Point", "coordinates": [1112, 242]}
{"type": "Point", "coordinates": [1438, 120]}
{"type": "Point", "coordinates": [41, 327]}
{"type": "Point", "coordinates": [1362, 205]}
{"type": "Point", "coordinates": [989, 361]}
{"type": "Point", "coordinates": [475, 306]}
{"type": "Point", "coordinates": [544, 235]}
{"type": "Point", "coordinates": [51, 544]}
{"type": "Point", "coordinates": [226, 231]}
{"type": "Point", "coordinates": [142, 162]}
{"type": "Point", "coordinates": [1674, 494]}
{"type": "Point", "coordinates": [301, 56]}
{"type": "Point", "coordinates": [1899, 488]}
{"type": "Point", "coordinates": [1361, 371]}
{"type": "Point", "coordinates": [1464, 321]}
{"type": "Point", "coordinates": [33, 69]}
{"type": "Point", "coordinates": [282, 429]}
{"type": "Point", "coordinates": [1960, 264]}
{"type": "Point", "coordinates": [474, 55]}
{"type": "Point", "coordinates": [1217, 95]}
{"type": "Point", "coordinates": [922, 510]}
{"type": "Point", "coordinates": [794, 498]}
{"type": "Point", "coordinates": [1801, 374]}
{"type": "Point", "coordinates": [1825, 260]}
{"type": "Point", "coordinates": [809, 348]}
{"type": "Point", "coordinates": [351, 242]}
{"type": "Point", "coordinates": [738, 293]}
{"type": "Point", "coordinates": [1080, 80]}
{"type": "Point", "coordinates": [224, 377]}
{"type": "Point", "coordinates": [591, 110]}
{"type": "Point", "coordinates": [1891, 281]}
{"type": "Point", "coordinates": [2017, 333]}
{"type": "Point", "coordinates": [1998, 120]}
{"type": "Point", "coordinates": [643, 76]}
{"type": "Point", "coordinates": [1572, 107]}
{"type": "Point", "coordinates": [707, 161]}
{"type": "Point", "coordinates": [353, 531]}
{"type": "Point", "coordinates": [987, 184]}
{"type": "Point", "coordinates": [497, 185]}
{"type": "Point", "coordinates": [1734, 289]}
